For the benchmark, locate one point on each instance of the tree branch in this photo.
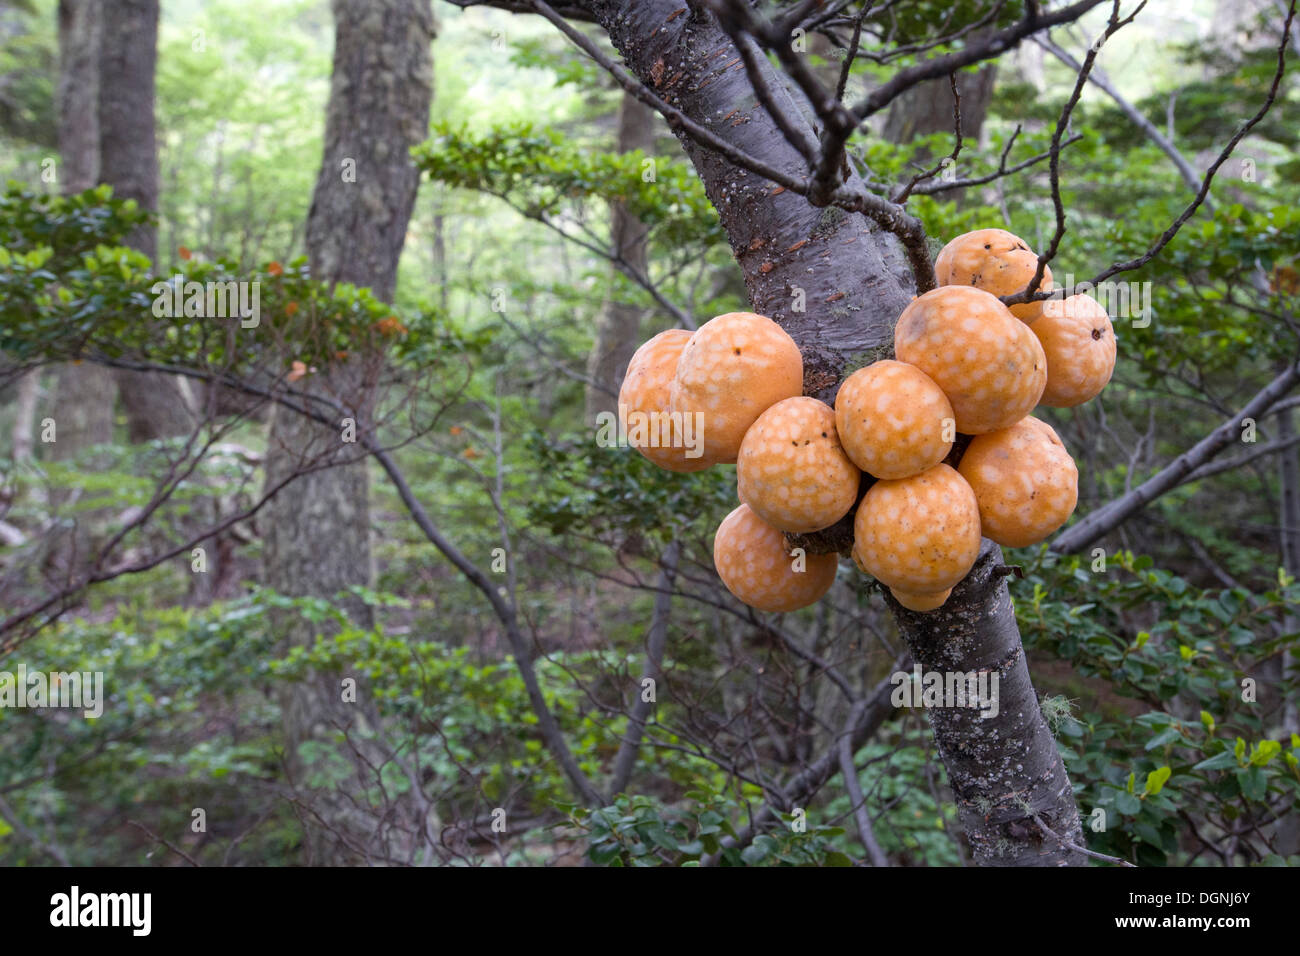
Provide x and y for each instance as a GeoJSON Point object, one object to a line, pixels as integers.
{"type": "Point", "coordinates": [1177, 472]}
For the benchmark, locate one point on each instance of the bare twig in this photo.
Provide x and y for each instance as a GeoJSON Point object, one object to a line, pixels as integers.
{"type": "Point", "coordinates": [1132, 112]}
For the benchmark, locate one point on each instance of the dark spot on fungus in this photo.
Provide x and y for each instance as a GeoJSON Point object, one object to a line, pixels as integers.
{"type": "Point", "coordinates": [737, 351]}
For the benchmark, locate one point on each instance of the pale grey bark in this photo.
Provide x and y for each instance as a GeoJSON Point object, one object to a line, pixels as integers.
{"type": "Point", "coordinates": [28, 390]}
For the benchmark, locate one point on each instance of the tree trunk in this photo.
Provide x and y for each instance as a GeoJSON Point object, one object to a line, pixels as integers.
{"type": "Point", "coordinates": [79, 38]}
{"type": "Point", "coordinates": [619, 325]}
{"type": "Point", "coordinates": [856, 283]}
{"type": "Point", "coordinates": [85, 393]}
{"type": "Point", "coordinates": [157, 406]}
{"type": "Point", "coordinates": [317, 537]}
{"type": "Point", "coordinates": [927, 107]}
{"type": "Point", "coordinates": [27, 392]}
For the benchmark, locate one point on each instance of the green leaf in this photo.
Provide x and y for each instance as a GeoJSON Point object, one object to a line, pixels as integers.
{"type": "Point", "coordinates": [1266, 751]}
{"type": "Point", "coordinates": [662, 838]}
{"type": "Point", "coordinates": [604, 853]}
{"type": "Point", "coordinates": [1156, 780]}
{"type": "Point", "coordinates": [1253, 783]}
{"type": "Point", "coordinates": [1166, 736]}
{"type": "Point", "coordinates": [1128, 804]}
{"type": "Point", "coordinates": [1220, 761]}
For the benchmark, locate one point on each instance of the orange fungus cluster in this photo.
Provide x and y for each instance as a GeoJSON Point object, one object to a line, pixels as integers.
{"type": "Point", "coordinates": [967, 370]}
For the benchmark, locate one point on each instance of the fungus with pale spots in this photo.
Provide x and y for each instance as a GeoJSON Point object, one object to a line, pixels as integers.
{"type": "Point", "coordinates": [792, 470]}
{"type": "Point", "coordinates": [1025, 481]}
{"type": "Point", "coordinates": [645, 390]}
{"type": "Point", "coordinates": [918, 554]}
{"type": "Point", "coordinates": [996, 261]}
{"type": "Point", "coordinates": [754, 358]}
{"type": "Point", "coordinates": [1079, 343]}
{"type": "Point", "coordinates": [756, 566]}
{"type": "Point", "coordinates": [992, 381]}
{"type": "Point", "coordinates": [891, 418]}
{"type": "Point", "coordinates": [921, 601]}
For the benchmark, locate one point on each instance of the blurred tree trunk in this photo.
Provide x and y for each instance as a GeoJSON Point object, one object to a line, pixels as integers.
{"type": "Point", "coordinates": [85, 393]}
{"type": "Point", "coordinates": [157, 406]}
{"type": "Point", "coordinates": [619, 325]}
{"type": "Point", "coordinates": [317, 531]}
{"type": "Point", "coordinates": [27, 392]}
{"type": "Point", "coordinates": [927, 107]}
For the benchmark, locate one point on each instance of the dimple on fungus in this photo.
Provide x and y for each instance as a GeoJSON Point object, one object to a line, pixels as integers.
{"type": "Point", "coordinates": [1079, 343]}
{"type": "Point", "coordinates": [734, 368]}
{"type": "Point", "coordinates": [1025, 481]}
{"type": "Point", "coordinates": [997, 261]}
{"type": "Point", "coordinates": [756, 566]}
{"type": "Point", "coordinates": [893, 420]}
{"type": "Point", "coordinates": [643, 405]}
{"type": "Point", "coordinates": [988, 363]}
{"type": "Point", "coordinates": [919, 534]}
{"type": "Point", "coordinates": [792, 470]}
{"type": "Point", "coordinates": [921, 601]}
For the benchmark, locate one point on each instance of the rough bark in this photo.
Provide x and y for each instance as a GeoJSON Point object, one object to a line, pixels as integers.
{"type": "Point", "coordinates": [1005, 768]}
{"type": "Point", "coordinates": [317, 538]}
{"type": "Point", "coordinates": [79, 33]}
{"type": "Point", "coordinates": [378, 109]}
{"type": "Point", "coordinates": [619, 323]}
{"type": "Point", "coordinates": [856, 284]}
{"type": "Point", "coordinates": [157, 406]}
{"type": "Point", "coordinates": [317, 531]}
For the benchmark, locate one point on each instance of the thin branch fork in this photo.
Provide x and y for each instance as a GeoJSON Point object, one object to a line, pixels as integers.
{"type": "Point", "coordinates": [1132, 112]}
{"type": "Point", "coordinates": [1167, 236]}
{"type": "Point", "coordinates": [1063, 121]}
